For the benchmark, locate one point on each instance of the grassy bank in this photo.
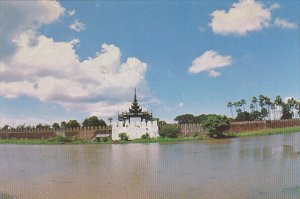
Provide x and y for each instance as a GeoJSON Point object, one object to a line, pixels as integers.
{"type": "Point", "coordinates": [162, 140]}
{"type": "Point", "coordinates": [266, 132]}
{"type": "Point", "coordinates": [6, 196]}
{"type": "Point", "coordinates": [62, 140]}
{"type": "Point", "coordinates": [55, 140]}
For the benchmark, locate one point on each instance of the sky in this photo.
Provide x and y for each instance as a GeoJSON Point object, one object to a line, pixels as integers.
{"type": "Point", "coordinates": [62, 60]}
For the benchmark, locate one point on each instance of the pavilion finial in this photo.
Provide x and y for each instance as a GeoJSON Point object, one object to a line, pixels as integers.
{"type": "Point", "coordinates": [135, 94]}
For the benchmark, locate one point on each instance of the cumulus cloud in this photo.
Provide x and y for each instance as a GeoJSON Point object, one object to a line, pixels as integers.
{"type": "Point", "coordinates": [18, 120]}
{"type": "Point", "coordinates": [209, 61]}
{"type": "Point", "coordinates": [274, 6]}
{"type": "Point", "coordinates": [283, 23]}
{"type": "Point", "coordinates": [17, 16]}
{"type": "Point", "coordinates": [243, 17]}
{"type": "Point", "coordinates": [51, 71]}
{"type": "Point", "coordinates": [77, 26]}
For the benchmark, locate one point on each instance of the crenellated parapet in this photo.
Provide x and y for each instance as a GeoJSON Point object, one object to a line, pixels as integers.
{"type": "Point", "coordinates": [134, 129]}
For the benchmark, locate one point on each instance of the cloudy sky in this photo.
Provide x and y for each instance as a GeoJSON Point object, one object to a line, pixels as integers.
{"type": "Point", "coordinates": [72, 59]}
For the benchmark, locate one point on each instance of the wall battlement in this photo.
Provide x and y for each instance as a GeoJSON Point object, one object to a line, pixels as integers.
{"type": "Point", "coordinates": [134, 129]}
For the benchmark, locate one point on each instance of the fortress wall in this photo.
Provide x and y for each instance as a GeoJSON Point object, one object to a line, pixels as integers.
{"type": "Point", "coordinates": [134, 130]}
{"type": "Point", "coordinates": [80, 133]}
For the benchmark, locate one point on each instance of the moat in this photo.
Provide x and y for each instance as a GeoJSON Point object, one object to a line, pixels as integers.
{"type": "Point", "coordinates": [251, 167]}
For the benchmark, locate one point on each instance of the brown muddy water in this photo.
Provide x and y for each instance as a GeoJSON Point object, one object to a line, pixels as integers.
{"type": "Point", "coordinates": [257, 167]}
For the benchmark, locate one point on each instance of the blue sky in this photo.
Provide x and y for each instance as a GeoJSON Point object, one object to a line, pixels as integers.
{"type": "Point", "coordinates": [72, 59]}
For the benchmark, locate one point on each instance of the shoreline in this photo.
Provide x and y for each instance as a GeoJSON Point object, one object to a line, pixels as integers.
{"type": "Point", "coordinates": [64, 141]}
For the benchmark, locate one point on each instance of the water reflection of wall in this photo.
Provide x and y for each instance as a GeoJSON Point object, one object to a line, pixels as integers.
{"type": "Point", "coordinates": [134, 165]}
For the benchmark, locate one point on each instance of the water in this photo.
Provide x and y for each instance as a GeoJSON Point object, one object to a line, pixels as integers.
{"type": "Point", "coordinates": [258, 167]}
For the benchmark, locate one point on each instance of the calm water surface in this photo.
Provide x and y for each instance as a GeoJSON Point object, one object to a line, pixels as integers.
{"type": "Point", "coordinates": [257, 167]}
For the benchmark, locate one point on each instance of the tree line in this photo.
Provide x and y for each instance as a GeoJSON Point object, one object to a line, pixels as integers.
{"type": "Point", "coordinates": [87, 122]}
{"type": "Point", "coordinates": [263, 107]}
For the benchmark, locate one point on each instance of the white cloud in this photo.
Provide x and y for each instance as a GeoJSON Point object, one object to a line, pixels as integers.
{"type": "Point", "coordinates": [243, 17]}
{"type": "Point", "coordinates": [274, 6]}
{"type": "Point", "coordinates": [17, 16]}
{"type": "Point", "coordinates": [77, 26]}
{"type": "Point", "coordinates": [283, 23]}
{"type": "Point", "coordinates": [16, 120]}
{"type": "Point", "coordinates": [209, 61]}
{"type": "Point", "coordinates": [51, 71]}
{"type": "Point", "coordinates": [181, 104]}
{"type": "Point", "coordinates": [213, 73]}
{"type": "Point", "coordinates": [71, 12]}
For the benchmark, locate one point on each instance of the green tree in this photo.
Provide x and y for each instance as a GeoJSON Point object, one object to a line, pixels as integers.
{"type": "Point", "coordinates": [123, 137]}
{"type": "Point", "coordinates": [63, 125]}
{"type": "Point", "coordinates": [243, 103]}
{"type": "Point", "coordinates": [243, 116]}
{"type": "Point", "coordinates": [268, 104]}
{"type": "Point", "coordinates": [292, 103]}
{"type": "Point", "coordinates": [170, 131]}
{"type": "Point", "coordinates": [55, 125]}
{"type": "Point", "coordinates": [216, 125]}
{"type": "Point", "coordinates": [254, 101]}
{"type": "Point", "coordinates": [256, 115]}
{"type": "Point", "coordinates": [278, 103]}
{"type": "Point", "coordinates": [297, 107]}
{"type": "Point", "coordinates": [229, 104]}
{"type": "Point", "coordinates": [286, 113]}
{"type": "Point", "coordinates": [42, 126]}
{"type": "Point", "coordinates": [73, 124]}
{"type": "Point", "coordinates": [261, 101]}
{"type": "Point", "coordinates": [109, 119]}
{"type": "Point", "coordinates": [5, 127]}
{"type": "Point", "coordinates": [186, 118]}
{"type": "Point", "coordinates": [264, 113]}
{"type": "Point", "coordinates": [93, 121]}
{"type": "Point", "coordinates": [252, 107]}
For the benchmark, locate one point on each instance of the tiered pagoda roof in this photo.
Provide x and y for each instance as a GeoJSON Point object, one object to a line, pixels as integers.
{"type": "Point", "coordinates": [135, 111]}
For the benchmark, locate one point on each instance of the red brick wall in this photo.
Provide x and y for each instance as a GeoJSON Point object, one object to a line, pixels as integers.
{"type": "Point", "coordinates": [28, 135]}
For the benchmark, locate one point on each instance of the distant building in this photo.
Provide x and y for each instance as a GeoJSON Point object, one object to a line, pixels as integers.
{"type": "Point", "coordinates": [135, 112]}
{"type": "Point", "coordinates": [135, 122]}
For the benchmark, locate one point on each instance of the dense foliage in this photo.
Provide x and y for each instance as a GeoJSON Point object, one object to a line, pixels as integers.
{"type": "Point", "coordinates": [123, 137]}
{"type": "Point", "coordinates": [216, 125]}
{"type": "Point", "coordinates": [189, 118]}
{"type": "Point", "coordinates": [93, 121]}
{"type": "Point", "coordinates": [170, 131]}
{"type": "Point", "coordinates": [146, 136]}
{"type": "Point", "coordinates": [263, 108]}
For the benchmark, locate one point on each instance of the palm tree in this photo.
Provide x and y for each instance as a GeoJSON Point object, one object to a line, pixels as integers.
{"type": "Point", "coordinates": [278, 103]}
{"type": "Point", "coordinates": [262, 101]}
{"type": "Point", "coordinates": [235, 104]}
{"type": "Point", "coordinates": [297, 107]}
{"type": "Point", "coordinates": [292, 103]}
{"type": "Point", "coordinates": [109, 119]}
{"type": "Point", "coordinates": [243, 102]}
{"type": "Point", "coordinates": [254, 101]}
{"type": "Point", "coordinates": [229, 104]}
{"type": "Point", "coordinates": [239, 105]}
{"type": "Point", "coordinates": [273, 106]}
{"type": "Point", "coordinates": [268, 103]}
{"type": "Point", "coordinates": [252, 107]}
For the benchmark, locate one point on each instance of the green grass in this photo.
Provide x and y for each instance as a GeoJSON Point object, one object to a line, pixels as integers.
{"type": "Point", "coordinates": [62, 140]}
{"type": "Point", "coordinates": [162, 140]}
{"type": "Point", "coordinates": [50, 141]}
{"type": "Point", "coordinates": [266, 132]}
{"type": "Point", "coordinates": [6, 196]}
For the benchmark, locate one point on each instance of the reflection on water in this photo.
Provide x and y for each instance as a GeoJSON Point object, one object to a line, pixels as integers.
{"type": "Point", "coordinates": [259, 167]}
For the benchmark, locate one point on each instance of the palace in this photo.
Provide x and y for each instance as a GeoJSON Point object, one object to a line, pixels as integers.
{"type": "Point", "coordinates": [135, 112]}
{"type": "Point", "coordinates": [135, 122]}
